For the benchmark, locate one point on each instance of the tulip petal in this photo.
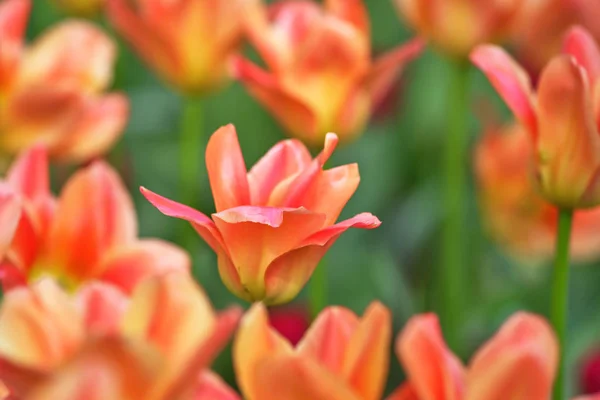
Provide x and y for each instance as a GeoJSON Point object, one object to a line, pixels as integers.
{"type": "Point", "coordinates": [255, 236]}
{"type": "Point", "coordinates": [211, 387]}
{"type": "Point", "coordinates": [290, 111]}
{"type": "Point", "coordinates": [433, 371]}
{"type": "Point", "coordinates": [360, 221]}
{"type": "Point", "coordinates": [510, 80]}
{"type": "Point", "coordinates": [568, 145]}
{"type": "Point", "coordinates": [13, 21]}
{"type": "Point", "coordinates": [404, 392]}
{"type": "Point", "coordinates": [95, 213]}
{"type": "Point", "coordinates": [102, 307]}
{"type": "Point", "coordinates": [226, 169]}
{"type": "Point", "coordinates": [126, 266]}
{"type": "Point", "coordinates": [581, 45]}
{"type": "Point", "coordinates": [519, 362]}
{"type": "Point", "coordinates": [286, 159]}
{"type": "Point", "coordinates": [29, 175]}
{"type": "Point", "coordinates": [296, 378]}
{"type": "Point", "coordinates": [10, 214]}
{"type": "Point", "coordinates": [352, 11]}
{"type": "Point", "coordinates": [255, 340]}
{"type": "Point", "coordinates": [96, 130]}
{"type": "Point", "coordinates": [367, 357]}
{"type": "Point", "coordinates": [72, 53]}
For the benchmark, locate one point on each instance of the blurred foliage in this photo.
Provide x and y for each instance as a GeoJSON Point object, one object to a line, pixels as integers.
{"type": "Point", "coordinates": [399, 157]}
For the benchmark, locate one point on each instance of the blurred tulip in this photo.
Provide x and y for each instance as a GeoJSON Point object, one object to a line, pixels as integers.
{"type": "Point", "coordinates": [291, 322]}
{"type": "Point", "coordinates": [10, 214]}
{"type": "Point", "coordinates": [456, 26]}
{"type": "Point", "coordinates": [515, 214]}
{"type": "Point", "coordinates": [89, 233]}
{"type": "Point", "coordinates": [52, 91]}
{"type": "Point", "coordinates": [536, 43]}
{"type": "Point", "coordinates": [322, 78]}
{"type": "Point", "coordinates": [342, 357]}
{"type": "Point", "coordinates": [562, 120]}
{"type": "Point", "coordinates": [519, 362]}
{"type": "Point", "coordinates": [82, 8]}
{"type": "Point", "coordinates": [99, 345]}
{"type": "Point", "coordinates": [275, 222]}
{"type": "Point", "coordinates": [187, 42]}
{"type": "Point", "coordinates": [590, 373]}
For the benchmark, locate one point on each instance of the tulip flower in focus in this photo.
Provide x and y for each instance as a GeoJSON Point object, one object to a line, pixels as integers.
{"type": "Point", "coordinates": [515, 213]}
{"type": "Point", "coordinates": [52, 92]}
{"type": "Point", "coordinates": [81, 8]}
{"type": "Point", "coordinates": [275, 222]}
{"type": "Point", "coordinates": [456, 26]}
{"type": "Point", "coordinates": [341, 357]}
{"type": "Point", "coordinates": [88, 233]}
{"type": "Point", "coordinates": [155, 346]}
{"type": "Point", "coordinates": [187, 42]}
{"type": "Point", "coordinates": [322, 78]}
{"type": "Point", "coordinates": [562, 118]}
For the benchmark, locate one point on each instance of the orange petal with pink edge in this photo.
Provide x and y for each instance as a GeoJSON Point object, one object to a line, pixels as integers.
{"type": "Point", "coordinates": [568, 145]}
{"type": "Point", "coordinates": [510, 80]}
{"type": "Point", "coordinates": [367, 357]}
{"type": "Point", "coordinates": [126, 266]}
{"type": "Point", "coordinates": [39, 329]}
{"type": "Point", "coordinates": [519, 362]}
{"type": "Point", "coordinates": [255, 236]}
{"type": "Point", "coordinates": [296, 378]}
{"type": "Point", "coordinates": [290, 111]}
{"type": "Point", "coordinates": [254, 341]}
{"type": "Point", "coordinates": [227, 169]}
{"type": "Point", "coordinates": [97, 129]}
{"type": "Point", "coordinates": [404, 392]}
{"type": "Point", "coordinates": [26, 244]}
{"type": "Point", "coordinates": [386, 68]}
{"type": "Point", "coordinates": [13, 22]}
{"type": "Point", "coordinates": [102, 307]}
{"type": "Point", "coordinates": [107, 369]}
{"type": "Point", "coordinates": [433, 371]}
{"type": "Point", "coordinates": [286, 159]}
{"type": "Point", "coordinates": [10, 215]}
{"type": "Point", "coordinates": [72, 53]}
{"type": "Point", "coordinates": [94, 214]}
{"type": "Point", "coordinates": [211, 387]}
{"type": "Point", "coordinates": [581, 44]}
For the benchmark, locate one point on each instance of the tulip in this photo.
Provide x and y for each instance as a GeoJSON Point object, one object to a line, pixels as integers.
{"type": "Point", "coordinates": [562, 120]}
{"type": "Point", "coordinates": [82, 8]}
{"type": "Point", "coordinates": [291, 322]}
{"type": "Point", "coordinates": [275, 222]}
{"type": "Point", "coordinates": [341, 357]}
{"type": "Point", "coordinates": [321, 77]}
{"type": "Point", "coordinates": [187, 42]}
{"type": "Point", "coordinates": [515, 214]}
{"type": "Point", "coordinates": [10, 214]}
{"type": "Point", "coordinates": [52, 91]}
{"type": "Point", "coordinates": [590, 373]}
{"type": "Point", "coordinates": [456, 26]}
{"type": "Point", "coordinates": [155, 346]}
{"type": "Point", "coordinates": [88, 233]}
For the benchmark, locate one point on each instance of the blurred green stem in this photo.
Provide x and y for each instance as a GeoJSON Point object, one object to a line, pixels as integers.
{"type": "Point", "coordinates": [191, 150]}
{"type": "Point", "coordinates": [317, 290]}
{"type": "Point", "coordinates": [560, 295]}
{"type": "Point", "coordinates": [452, 274]}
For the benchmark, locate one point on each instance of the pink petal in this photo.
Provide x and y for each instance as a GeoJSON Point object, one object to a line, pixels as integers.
{"type": "Point", "coordinates": [360, 221]}
{"type": "Point", "coordinates": [13, 21]}
{"type": "Point", "coordinates": [581, 45]}
{"type": "Point", "coordinates": [404, 392]}
{"type": "Point", "coordinates": [102, 307]}
{"type": "Point", "coordinates": [211, 387]}
{"type": "Point", "coordinates": [10, 215]}
{"type": "Point", "coordinates": [29, 175]}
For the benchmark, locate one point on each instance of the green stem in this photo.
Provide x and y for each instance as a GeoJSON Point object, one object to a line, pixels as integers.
{"type": "Point", "coordinates": [318, 289]}
{"type": "Point", "coordinates": [453, 273]}
{"type": "Point", "coordinates": [560, 295]}
{"type": "Point", "coordinates": [191, 150]}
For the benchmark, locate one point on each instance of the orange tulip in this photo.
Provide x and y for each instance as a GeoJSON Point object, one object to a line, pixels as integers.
{"type": "Point", "coordinates": [187, 42]}
{"type": "Point", "coordinates": [275, 222]}
{"type": "Point", "coordinates": [514, 212]}
{"type": "Point", "coordinates": [10, 214]}
{"type": "Point", "coordinates": [562, 120]}
{"type": "Point", "coordinates": [99, 345]}
{"type": "Point", "coordinates": [519, 362]}
{"type": "Point", "coordinates": [341, 357]}
{"type": "Point", "coordinates": [82, 8]}
{"type": "Point", "coordinates": [52, 91]}
{"type": "Point", "coordinates": [322, 78]}
{"type": "Point", "coordinates": [456, 26]}
{"type": "Point", "coordinates": [88, 233]}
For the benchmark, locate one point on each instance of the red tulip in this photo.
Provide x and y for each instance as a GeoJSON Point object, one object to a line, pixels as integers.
{"type": "Point", "coordinates": [275, 222]}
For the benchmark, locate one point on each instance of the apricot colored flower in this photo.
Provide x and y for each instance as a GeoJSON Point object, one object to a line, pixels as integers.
{"type": "Point", "coordinates": [322, 78]}
{"type": "Point", "coordinates": [101, 345]}
{"type": "Point", "coordinates": [516, 216]}
{"type": "Point", "coordinates": [82, 8]}
{"type": "Point", "coordinates": [456, 26]}
{"type": "Point", "coordinates": [88, 233]}
{"type": "Point", "coordinates": [562, 118]}
{"type": "Point", "coordinates": [341, 357]}
{"type": "Point", "coordinates": [10, 214]}
{"type": "Point", "coordinates": [187, 42]}
{"type": "Point", "coordinates": [275, 222]}
{"type": "Point", "coordinates": [52, 92]}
